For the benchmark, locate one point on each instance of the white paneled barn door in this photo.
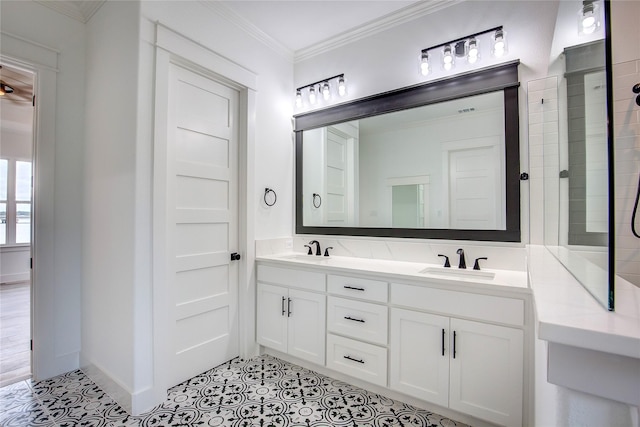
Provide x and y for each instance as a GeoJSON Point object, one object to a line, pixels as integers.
{"type": "Point", "coordinates": [202, 223]}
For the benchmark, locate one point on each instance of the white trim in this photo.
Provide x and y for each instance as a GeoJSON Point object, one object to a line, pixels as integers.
{"type": "Point", "coordinates": [230, 15]}
{"type": "Point", "coordinates": [41, 60]}
{"type": "Point", "coordinates": [81, 11]}
{"type": "Point", "coordinates": [31, 54]}
{"type": "Point", "coordinates": [399, 17]}
{"type": "Point", "coordinates": [15, 277]}
{"type": "Point", "coordinates": [172, 47]}
{"type": "Point", "coordinates": [190, 50]}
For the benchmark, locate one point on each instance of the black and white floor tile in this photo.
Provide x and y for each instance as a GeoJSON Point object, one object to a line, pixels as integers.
{"type": "Point", "coordinates": [260, 392]}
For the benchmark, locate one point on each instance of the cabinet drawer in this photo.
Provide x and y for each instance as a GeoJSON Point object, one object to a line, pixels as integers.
{"type": "Point", "coordinates": [372, 290]}
{"type": "Point", "coordinates": [365, 361]}
{"type": "Point", "coordinates": [357, 319]}
{"type": "Point", "coordinates": [483, 307]}
{"type": "Point", "coordinates": [308, 280]}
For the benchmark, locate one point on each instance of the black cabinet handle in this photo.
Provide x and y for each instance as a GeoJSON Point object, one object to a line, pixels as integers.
{"type": "Point", "coordinates": [355, 360]}
{"type": "Point", "coordinates": [454, 344]}
{"type": "Point", "coordinates": [355, 320]}
{"type": "Point", "coordinates": [353, 288]}
{"type": "Point", "coordinates": [443, 341]}
{"type": "Point", "coordinates": [235, 256]}
{"type": "Point", "coordinates": [283, 311]}
{"type": "Point", "coordinates": [288, 307]}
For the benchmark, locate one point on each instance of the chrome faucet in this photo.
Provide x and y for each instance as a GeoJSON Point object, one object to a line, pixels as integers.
{"type": "Point", "coordinates": [462, 263]}
{"type": "Point", "coordinates": [318, 251]}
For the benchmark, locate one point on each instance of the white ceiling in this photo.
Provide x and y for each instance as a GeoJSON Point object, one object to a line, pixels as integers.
{"type": "Point", "coordinates": [299, 28]}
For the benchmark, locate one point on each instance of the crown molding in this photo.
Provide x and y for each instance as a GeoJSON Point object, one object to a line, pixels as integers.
{"type": "Point", "coordinates": [233, 17]}
{"type": "Point", "coordinates": [81, 11]}
{"type": "Point", "coordinates": [386, 22]}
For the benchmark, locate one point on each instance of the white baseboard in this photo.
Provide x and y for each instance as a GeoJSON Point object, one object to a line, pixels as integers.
{"type": "Point", "coordinates": [135, 403]}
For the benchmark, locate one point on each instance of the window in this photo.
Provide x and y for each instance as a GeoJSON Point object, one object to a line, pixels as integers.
{"type": "Point", "coordinates": [15, 202]}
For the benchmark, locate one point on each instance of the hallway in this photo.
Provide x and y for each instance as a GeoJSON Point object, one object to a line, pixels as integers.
{"type": "Point", "coordinates": [15, 363]}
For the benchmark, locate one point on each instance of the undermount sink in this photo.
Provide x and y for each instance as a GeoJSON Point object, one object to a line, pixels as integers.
{"type": "Point", "coordinates": [301, 257]}
{"type": "Point", "coordinates": [459, 272]}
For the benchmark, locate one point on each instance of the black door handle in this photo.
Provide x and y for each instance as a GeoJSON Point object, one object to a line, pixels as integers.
{"type": "Point", "coordinates": [283, 310]}
{"type": "Point", "coordinates": [235, 256]}
{"type": "Point", "coordinates": [443, 341]}
{"type": "Point", "coordinates": [288, 307]}
{"type": "Point", "coordinates": [454, 344]}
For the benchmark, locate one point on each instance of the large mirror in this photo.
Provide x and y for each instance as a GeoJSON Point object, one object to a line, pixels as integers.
{"type": "Point", "coordinates": [439, 160]}
{"type": "Point", "coordinates": [578, 180]}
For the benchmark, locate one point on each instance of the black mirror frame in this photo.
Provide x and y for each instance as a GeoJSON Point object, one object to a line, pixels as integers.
{"type": "Point", "coordinates": [503, 77]}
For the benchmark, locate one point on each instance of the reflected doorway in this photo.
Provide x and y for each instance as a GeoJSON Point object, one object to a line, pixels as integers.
{"type": "Point", "coordinates": [16, 177]}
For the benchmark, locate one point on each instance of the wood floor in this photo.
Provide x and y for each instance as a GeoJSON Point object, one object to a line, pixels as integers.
{"type": "Point", "coordinates": [15, 333]}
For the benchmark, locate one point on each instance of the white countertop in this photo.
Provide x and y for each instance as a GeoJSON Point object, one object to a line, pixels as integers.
{"type": "Point", "coordinates": [568, 314]}
{"type": "Point", "coordinates": [398, 270]}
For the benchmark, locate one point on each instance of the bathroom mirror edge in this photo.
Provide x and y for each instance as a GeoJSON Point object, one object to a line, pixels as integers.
{"type": "Point", "coordinates": [503, 77]}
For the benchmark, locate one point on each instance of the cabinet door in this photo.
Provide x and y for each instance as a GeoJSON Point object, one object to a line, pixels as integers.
{"type": "Point", "coordinates": [487, 372]}
{"type": "Point", "coordinates": [306, 333]}
{"type": "Point", "coordinates": [419, 357]}
{"type": "Point", "coordinates": [272, 316]}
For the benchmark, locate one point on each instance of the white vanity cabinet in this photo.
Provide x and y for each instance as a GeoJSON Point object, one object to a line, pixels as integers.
{"type": "Point", "coordinates": [291, 307]}
{"type": "Point", "coordinates": [470, 366]}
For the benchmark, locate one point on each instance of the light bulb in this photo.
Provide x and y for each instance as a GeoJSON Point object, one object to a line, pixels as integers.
{"type": "Point", "coordinates": [473, 51]}
{"type": "Point", "coordinates": [298, 98]}
{"type": "Point", "coordinates": [447, 58]}
{"type": "Point", "coordinates": [424, 64]}
{"type": "Point", "coordinates": [312, 95]}
{"type": "Point", "coordinates": [588, 17]}
{"type": "Point", "coordinates": [326, 93]}
{"type": "Point", "coordinates": [499, 43]}
{"type": "Point", "coordinates": [342, 87]}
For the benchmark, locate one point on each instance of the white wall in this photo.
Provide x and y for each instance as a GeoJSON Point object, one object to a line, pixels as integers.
{"type": "Point", "coordinates": [109, 228]}
{"type": "Point", "coordinates": [58, 178]}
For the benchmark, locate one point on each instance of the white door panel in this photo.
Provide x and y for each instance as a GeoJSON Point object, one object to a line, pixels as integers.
{"type": "Point", "coordinates": [202, 222]}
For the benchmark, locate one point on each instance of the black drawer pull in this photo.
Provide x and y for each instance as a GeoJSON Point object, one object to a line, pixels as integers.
{"type": "Point", "coordinates": [353, 288]}
{"type": "Point", "coordinates": [289, 307]}
{"type": "Point", "coordinates": [283, 310]}
{"type": "Point", "coordinates": [355, 320]}
{"type": "Point", "coordinates": [355, 360]}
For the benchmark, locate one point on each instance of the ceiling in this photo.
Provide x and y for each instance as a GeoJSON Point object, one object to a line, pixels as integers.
{"type": "Point", "coordinates": [298, 27]}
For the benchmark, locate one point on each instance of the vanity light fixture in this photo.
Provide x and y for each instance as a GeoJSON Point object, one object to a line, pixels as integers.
{"type": "Point", "coordinates": [588, 17]}
{"type": "Point", "coordinates": [468, 47]}
{"type": "Point", "coordinates": [322, 87]}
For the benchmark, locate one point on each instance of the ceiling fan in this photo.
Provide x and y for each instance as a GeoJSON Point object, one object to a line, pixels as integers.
{"type": "Point", "coordinates": [15, 87]}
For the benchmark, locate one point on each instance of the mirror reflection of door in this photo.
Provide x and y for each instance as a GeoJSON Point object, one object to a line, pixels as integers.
{"type": "Point", "coordinates": [408, 206]}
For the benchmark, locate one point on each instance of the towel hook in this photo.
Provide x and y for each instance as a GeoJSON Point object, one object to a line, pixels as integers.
{"type": "Point", "coordinates": [266, 193]}
{"type": "Point", "coordinates": [319, 202]}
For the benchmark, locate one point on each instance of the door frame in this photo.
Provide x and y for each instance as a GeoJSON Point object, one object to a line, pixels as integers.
{"type": "Point", "coordinates": [173, 47]}
{"type": "Point", "coordinates": [46, 359]}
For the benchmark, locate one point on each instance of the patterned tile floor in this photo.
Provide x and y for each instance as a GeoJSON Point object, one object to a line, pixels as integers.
{"type": "Point", "coordinates": [261, 392]}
